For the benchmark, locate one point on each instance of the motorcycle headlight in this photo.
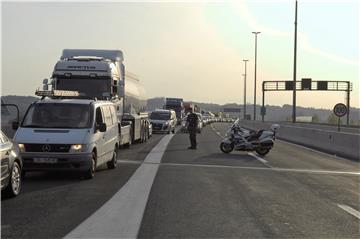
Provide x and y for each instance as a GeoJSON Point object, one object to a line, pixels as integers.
{"type": "Point", "coordinates": [76, 148]}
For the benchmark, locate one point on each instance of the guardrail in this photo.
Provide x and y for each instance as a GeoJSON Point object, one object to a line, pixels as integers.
{"type": "Point", "coordinates": [343, 144]}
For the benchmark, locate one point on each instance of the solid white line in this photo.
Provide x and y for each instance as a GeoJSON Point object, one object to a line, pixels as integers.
{"type": "Point", "coordinates": [121, 216]}
{"type": "Point", "coordinates": [286, 170]}
{"type": "Point", "coordinates": [258, 158]}
{"type": "Point", "coordinates": [122, 161]}
{"type": "Point", "coordinates": [350, 210]}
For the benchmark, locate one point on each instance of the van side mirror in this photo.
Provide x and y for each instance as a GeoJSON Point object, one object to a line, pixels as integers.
{"type": "Point", "coordinates": [101, 127]}
{"type": "Point", "coordinates": [15, 125]}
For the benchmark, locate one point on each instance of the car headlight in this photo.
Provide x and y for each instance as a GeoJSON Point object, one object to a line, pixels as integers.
{"type": "Point", "coordinates": [75, 148]}
{"type": "Point", "coordinates": [21, 148]}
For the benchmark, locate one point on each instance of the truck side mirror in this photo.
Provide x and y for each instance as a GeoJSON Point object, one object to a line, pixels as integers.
{"type": "Point", "coordinates": [101, 127]}
{"type": "Point", "coordinates": [15, 125]}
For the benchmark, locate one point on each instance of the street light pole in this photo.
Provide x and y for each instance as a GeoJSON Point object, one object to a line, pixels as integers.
{"type": "Point", "coordinates": [294, 72]}
{"type": "Point", "coordinates": [256, 33]}
{"type": "Point", "coordinates": [245, 90]}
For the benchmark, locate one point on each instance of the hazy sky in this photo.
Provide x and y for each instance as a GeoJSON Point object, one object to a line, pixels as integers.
{"type": "Point", "coordinates": [192, 50]}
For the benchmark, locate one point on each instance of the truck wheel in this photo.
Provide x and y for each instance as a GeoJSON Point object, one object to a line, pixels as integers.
{"type": "Point", "coordinates": [90, 173]}
{"type": "Point", "coordinates": [14, 186]}
{"type": "Point", "coordinates": [112, 164]}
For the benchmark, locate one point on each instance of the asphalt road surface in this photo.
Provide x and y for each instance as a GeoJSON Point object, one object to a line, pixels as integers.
{"type": "Point", "coordinates": [51, 205]}
{"type": "Point", "coordinates": [293, 192]}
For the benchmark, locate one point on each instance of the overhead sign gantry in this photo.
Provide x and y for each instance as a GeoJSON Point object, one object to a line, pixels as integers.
{"type": "Point", "coordinates": [307, 84]}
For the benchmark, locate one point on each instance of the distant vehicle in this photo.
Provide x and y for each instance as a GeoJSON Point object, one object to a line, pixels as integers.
{"type": "Point", "coordinates": [241, 139]}
{"type": "Point", "coordinates": [163, 121]}
{"type": "Point", "coordinates": [175, 104]}
{"type": "Point", "coordinates": [11, 167]}
{"type": "Point", "coordinates": [199, 126]}
{"type": "Point", "coordinates": [69, 134]}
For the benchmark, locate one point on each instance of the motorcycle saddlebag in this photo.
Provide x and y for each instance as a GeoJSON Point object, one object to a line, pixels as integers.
{"type": "Point", "coordinates": [268, 143]}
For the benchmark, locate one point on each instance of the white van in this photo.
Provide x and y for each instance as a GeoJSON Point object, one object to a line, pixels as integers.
{"type": "Point", "coordinates": [68, 134]}
{"type": "Point", "coordinates": [163, 121]}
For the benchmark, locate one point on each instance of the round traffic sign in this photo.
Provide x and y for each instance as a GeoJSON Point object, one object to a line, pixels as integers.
{"type": "Point", "coordinates": [340, 110]}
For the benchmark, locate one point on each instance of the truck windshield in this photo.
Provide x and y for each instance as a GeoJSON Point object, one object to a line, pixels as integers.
{"type": "Point", "coordinates": [99, 88]}
{"type": "Point", "coordinates": [55, 115]}
{"type": "Point", "coordinates": [160, 116]}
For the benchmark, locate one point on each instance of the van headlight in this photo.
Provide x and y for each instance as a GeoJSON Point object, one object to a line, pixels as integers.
{"type": "Point", "coordinates": [21, 148]}
{"type": "Point", "coordinates": [76, 148]}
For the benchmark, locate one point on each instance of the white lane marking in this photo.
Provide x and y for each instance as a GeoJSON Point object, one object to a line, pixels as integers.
{"type": "Point", "coordinates": [124, 161]}
{"type": "Point", "coordinates": [313, 150]}
{"type": "Point", "coordinates": [350, 210]}
{"type": "Point", "coordinates": [285, 170]}
{"type": "Point", "coordinates": [259, 158]}
{"type": "Point", "coordinates": [121, 216]}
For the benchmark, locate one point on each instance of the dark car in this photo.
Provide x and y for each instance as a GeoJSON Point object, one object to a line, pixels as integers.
{"type": "Point", "coordinates": [11, 167]}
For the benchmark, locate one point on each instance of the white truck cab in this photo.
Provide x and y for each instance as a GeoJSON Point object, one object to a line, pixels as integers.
{"type": "Point", "coordinates": [68, 134]}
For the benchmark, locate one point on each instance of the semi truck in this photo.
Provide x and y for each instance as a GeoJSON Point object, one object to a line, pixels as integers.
{"type": "Point", "coordinates": [101, 74]}
{"type": "Point", "coordinates": [177, 105]}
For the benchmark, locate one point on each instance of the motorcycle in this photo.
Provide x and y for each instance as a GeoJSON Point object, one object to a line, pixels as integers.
{"type": "Point", "coordinates": [241, 139]}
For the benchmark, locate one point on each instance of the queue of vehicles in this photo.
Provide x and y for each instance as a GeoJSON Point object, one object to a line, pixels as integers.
{"type": "Point", "coordinates": [88, 110]}
{"type": "Point", "coordinates": [93, 108]}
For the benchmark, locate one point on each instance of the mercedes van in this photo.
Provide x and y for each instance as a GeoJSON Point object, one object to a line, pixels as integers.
{"type": "Point", "coordinates": [68, 134]}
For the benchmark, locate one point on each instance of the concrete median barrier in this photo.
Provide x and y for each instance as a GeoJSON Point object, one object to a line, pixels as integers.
{"type": "Point", "coordinates": [339, 143]}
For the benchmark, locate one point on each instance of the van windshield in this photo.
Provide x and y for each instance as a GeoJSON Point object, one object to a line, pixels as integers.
{"type": "Point", "coordinates": [160, 116]}
{"type": "Point", "coordinates": [55, 115]}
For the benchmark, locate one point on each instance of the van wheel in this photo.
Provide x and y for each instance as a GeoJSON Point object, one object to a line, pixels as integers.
{"type": "Point", "coordinates": [90, 173]}
{"type": "Point", "coordinates": [112, 164]}
{"type": "Point", "coordinates": [14, 186]}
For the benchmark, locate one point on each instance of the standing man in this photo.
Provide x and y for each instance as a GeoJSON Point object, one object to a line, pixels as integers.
{"type": "Point", "coordinates": [192, 123]}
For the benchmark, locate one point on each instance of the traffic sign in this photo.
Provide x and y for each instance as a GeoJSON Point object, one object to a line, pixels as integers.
{"type": "Point", "coordinates": [340, 110]}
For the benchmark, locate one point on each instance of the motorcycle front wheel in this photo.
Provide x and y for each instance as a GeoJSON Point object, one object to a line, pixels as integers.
{"type": "Point", "coordinates": [262, 151]}
{"type": "Point", "coordinates": [226, 148]}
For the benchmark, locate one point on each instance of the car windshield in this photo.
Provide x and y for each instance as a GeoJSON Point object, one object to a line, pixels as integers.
{"type": "Point", "coordinates": [160, 116]}
{"type": "Point", "coordinates": [55, 115]}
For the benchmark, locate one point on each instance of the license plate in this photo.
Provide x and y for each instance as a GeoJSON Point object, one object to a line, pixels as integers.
{"type": "Point", "coordinates": [45, 160]}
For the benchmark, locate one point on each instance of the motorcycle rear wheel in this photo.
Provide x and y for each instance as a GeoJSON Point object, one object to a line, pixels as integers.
{"type": "Point", "coordinates": [226, 148]}
{"type": "Point", "coordinates": [262, 151]}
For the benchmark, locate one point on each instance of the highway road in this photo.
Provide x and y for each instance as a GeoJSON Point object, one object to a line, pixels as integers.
{"type": "Point", "coordinates": [163, 190]}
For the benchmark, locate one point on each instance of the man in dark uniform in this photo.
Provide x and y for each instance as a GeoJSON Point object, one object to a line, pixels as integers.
{"type": "Point", "coordinates": [192, 123]}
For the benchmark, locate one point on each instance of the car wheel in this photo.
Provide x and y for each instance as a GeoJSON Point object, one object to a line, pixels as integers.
{"type": "Point", "coordinates": [14, 186]}
{"type": "Point", "coordinates": [90, 173]}
{"type": "Point", "coordinates": [112, 164]}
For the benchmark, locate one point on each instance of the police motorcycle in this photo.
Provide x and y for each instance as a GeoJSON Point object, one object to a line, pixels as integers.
{"type": "Point", "coordinates": [241, 139]}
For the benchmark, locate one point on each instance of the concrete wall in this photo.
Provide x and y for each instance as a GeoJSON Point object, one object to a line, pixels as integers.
{"type": "Point", "coordinates": [340, 143]}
